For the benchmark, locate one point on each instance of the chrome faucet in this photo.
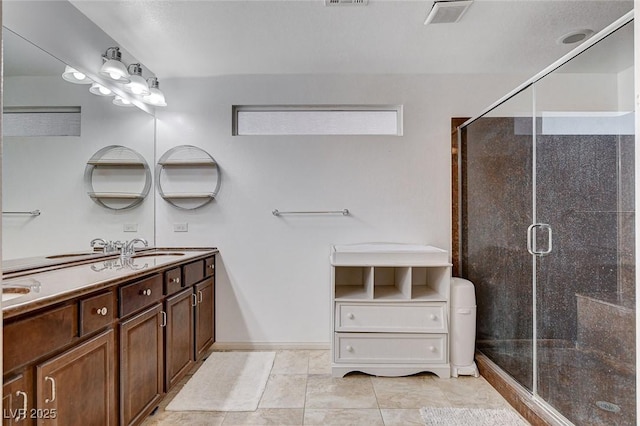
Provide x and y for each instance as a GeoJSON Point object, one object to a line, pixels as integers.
{"type": "Point", "coordinates": [128, 248]}
{"type": "Point", "coordinates": [108, 247]}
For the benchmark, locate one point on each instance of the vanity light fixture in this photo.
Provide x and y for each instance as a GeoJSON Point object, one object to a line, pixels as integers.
{"type": "Point", "coordinates": [155, 97]}
{"type": "Point", "coordinates": [120, 101]}
{"type": "Point", "coordinates": [72, 75]}
{"type": "Point", "coordinates": [113, 68]}
{"type": "Point", "coordinates": [100, 90]}
{"type": "Point", "coordinates": [138, 85]}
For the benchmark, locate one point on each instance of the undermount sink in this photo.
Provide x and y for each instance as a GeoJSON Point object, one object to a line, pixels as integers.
{"type": "Point", "coordinates": [9, 292]}
{"type": "Point", "coordinates": [158, 254]}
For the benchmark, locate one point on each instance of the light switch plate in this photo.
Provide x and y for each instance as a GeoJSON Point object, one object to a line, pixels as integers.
{"type": "Point", "coordinates": [180, 227]}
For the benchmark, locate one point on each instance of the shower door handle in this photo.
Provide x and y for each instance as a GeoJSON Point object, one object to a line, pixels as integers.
{"type": "Point", "coordinates": [530, 239]}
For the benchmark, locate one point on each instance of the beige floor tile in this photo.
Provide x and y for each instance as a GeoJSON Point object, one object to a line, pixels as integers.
{"type": "Point", "coordinates": [265, 416]}
{"type": "Point", "coordinates": [284, 391]}
{"type": "Point", "coordinates": [319, 362]}
{"type": "Point", "coordinates": [471, 392]}
{"type": "Point", "coordinates": [324, 391]}
{"type": "Point", "coordinates": [191, 418]}
{"type": "Point", "coordinates": [408, 392]}
{"type": "Point", "coordinates": [401, 417]}
{"type": "Point", "coordinates": [343, 417]}
{"type": "Point", "coordinates": [291, 362]}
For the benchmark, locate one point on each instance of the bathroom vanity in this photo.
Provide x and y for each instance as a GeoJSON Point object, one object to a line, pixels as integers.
{"type": "Point", "coordinates": [102, 339]}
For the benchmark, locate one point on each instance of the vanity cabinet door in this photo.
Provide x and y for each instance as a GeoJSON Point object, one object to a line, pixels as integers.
{"type": "Point", "coordinates": [141, 364]}
{"type": "Point", "coordinates": [179, 336]}
{"type": "Point", "coordinates": [204, 293]}
{"type": "Point", "coordinates": [78, 386]}
{"type": "Point", "coordinates": [17, 399]}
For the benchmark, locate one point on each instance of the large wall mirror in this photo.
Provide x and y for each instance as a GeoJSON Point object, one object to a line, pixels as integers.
{"type": "Point", "coordinates": [44, 171]}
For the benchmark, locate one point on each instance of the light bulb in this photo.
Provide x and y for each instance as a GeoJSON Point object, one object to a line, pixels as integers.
{"type": "Point", "coordinates": [104, 90]}
{"type": "Point", "coordinates": [79, 76]}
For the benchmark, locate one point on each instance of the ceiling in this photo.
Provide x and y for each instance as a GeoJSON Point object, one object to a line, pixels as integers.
{"type": "Point", "coordinates": [188, 38]}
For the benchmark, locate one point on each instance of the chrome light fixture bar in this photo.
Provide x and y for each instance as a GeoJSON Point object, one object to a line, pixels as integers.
{"type": "Point", "coordinates": [155, 97]}
{"type": "Point", "coordinates": [74, 76]}
{"type": "Point", "coordinates": [113, 68]}
{"type": "Point", "coordinates": [138, 85]}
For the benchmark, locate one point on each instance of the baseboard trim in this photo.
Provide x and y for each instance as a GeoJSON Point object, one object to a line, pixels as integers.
{"type": "Point", "coordinates": [270, 346]}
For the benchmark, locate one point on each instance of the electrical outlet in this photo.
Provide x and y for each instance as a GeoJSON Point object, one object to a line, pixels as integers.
{"type": "Point", "coordinates": [180, 227]}
{"type": "Point", "coordinates": [130, 227]}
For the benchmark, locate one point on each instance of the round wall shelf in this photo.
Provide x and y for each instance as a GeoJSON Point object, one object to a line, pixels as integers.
{"type": "Point", "coordinates": [187, 177]}
{"type": "Point", "coordinates": [117, 177]}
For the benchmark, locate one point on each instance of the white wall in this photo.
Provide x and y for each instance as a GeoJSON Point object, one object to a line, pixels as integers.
{"type": "Point", "coordinates": [273, 273]}
{"type": "Point", "coordinates": [47, 173]}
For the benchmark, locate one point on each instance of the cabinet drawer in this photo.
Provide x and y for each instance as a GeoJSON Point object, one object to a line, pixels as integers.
{"type": "Point", "coordinates": [374, 348]}
{"type": "Point", "coordinates": [96, 312]}
{"type": "Point", "coordinates": [399, 318]}
{"type": "Point", "coordinates": [173, 281]}
{"type": "Point", "coordinates": [193, 272]}
{"type": "Point", "coordinates": [138, 295]}
{"type": "Point", "coordinates": [39, 335]}
{"type": "Point", "coordinates": [209, 266]}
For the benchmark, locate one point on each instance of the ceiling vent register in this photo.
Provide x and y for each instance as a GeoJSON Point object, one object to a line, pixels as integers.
{"type": "Point", "coordinates": [346, 2]}
{"type": "Point", "coordinates": [447, 12]}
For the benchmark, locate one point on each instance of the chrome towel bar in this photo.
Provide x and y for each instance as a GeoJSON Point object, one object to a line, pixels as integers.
{"type": "Point", "coordinates": [31, 213]}
{"type": "Point", "coordinates": [344, 212]}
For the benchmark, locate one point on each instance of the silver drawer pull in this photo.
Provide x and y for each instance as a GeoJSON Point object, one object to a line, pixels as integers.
{"type": "Point", "coordinates": [53, 389]}
{"type": "Point", "coordinates": [433, 349]}
{"type": "Point", "coordinates": [174, 280]}
{"type": "Point", "coordinates": [24, 405]}
{"type": "Point", "coordinates": [146, 292]}
{"type": "Point", "coordinates": [350, 315]}
{"type": "Point", "coordinates": [164, 319]}
{"type": "Point", "coordinates": [433, 317]}
{"type": "Point", "coordinates": [211, 266]}
{"type": "Point", "coordinates": [195, 299]}
{"type": "Point", "coordinates": [102, 311]}
{"type": "Point", "coordinates": [199, 296]}
{"type": "Point", "coordinates": [349, 348]}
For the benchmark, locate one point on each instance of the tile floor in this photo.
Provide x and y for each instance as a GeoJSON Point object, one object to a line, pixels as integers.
{"type": "Point", "coordinates": [301, 391]}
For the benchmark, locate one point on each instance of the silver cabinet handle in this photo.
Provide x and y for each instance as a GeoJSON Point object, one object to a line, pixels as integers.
{"type": "Point", "coordinates": [211, 266]}
{"type": "Point", "coordinates": [174, 280]}
{"type": "Point", "coordinates": [195, 299]}
{"type": "Point", "coordinates": [53, 389]}
{"type": "Point", "coordinates": [146, 292]}
{"type": "Point", "coordinates": [199, 296]}
{"type": "Point", "coordinates": [530, 231]}
{"type": "Point", "coordinates": [24, 405]}
{"type": "Point", "coordinates": [164, 319]}
{"type": "Point", "coordinates": [102, 311]}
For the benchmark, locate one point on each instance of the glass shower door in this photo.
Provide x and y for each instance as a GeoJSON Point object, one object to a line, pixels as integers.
{"type": "Point", "coordinates": [583, 242]}
{"type": "Point", "coordinates": [496, 209]}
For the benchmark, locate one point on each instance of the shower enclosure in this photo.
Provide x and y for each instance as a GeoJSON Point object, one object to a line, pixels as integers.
{"type": "Point", "coordinates": [547, 233]}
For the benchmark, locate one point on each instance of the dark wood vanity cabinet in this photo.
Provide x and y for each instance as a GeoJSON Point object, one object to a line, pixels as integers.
{"type": "Point", "coordinates": [108, 357]}
{"type": "Point", "coordinates": [78, 386]}
{"type": "Point", "coordinates": [17, 397]}
{"type": "Point", "coordinates": [141, 364]}
{"type": "Point", "coordinates": [179, 335]}
{"type": "Point", "coordinates": [204, 312]}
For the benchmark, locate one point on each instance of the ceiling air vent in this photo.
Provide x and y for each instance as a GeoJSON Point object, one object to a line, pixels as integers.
{"type": "Point", "coordinates": [346, 2]}
{"type": "Point", "coordinates": [447, 12]}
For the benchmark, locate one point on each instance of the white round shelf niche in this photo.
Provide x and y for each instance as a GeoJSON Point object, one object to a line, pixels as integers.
{"type": "Point", "coordinates": [187, 177]}
{"type": "Point", "coordinates": [117, 178]}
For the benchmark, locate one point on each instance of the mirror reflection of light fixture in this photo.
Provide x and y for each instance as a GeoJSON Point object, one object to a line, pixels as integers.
{"type": "Point", "coordinates": [120, 101]}
{"type": "Point", "coordinates": [72, 75]}
{"type": "Point", "coordinates": [113, 68]}
{"type": "Point", "coordinates": [155, 97]}
{"type": "Point", "coordinates": [100, 90]}
{"type": "Point", "coordinates": [138, 85]}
